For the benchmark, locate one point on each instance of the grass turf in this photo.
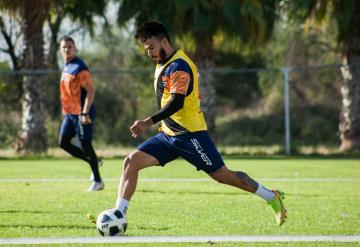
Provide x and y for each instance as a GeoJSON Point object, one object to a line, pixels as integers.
{"type": "Point", "coordinates": [42, 209]}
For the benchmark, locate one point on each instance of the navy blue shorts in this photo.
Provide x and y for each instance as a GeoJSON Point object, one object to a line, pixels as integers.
{"type": "Point", "coordinates": [197, 148]}
{"type": "Point", "coordinates": [71, 126]}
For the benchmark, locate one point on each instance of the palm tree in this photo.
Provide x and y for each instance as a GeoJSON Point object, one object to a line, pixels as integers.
{"type": "Point", "coordinates": [201, 20]}
{"type": "Point", "coordinates": [347, 14]}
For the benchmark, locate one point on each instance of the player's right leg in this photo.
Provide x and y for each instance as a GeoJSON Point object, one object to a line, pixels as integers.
{"type": "Point", "coordinates": [67, 132]}
{"type": "Point", "coordinates": [154, 151]}
{"type": "Point", "coordinates": [132, 164]}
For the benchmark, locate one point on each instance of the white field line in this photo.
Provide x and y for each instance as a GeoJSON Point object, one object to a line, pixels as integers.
{"type": "Point", "coordinates": [179, 239]}
{"type": "Point", "coordinates": [50, 180]}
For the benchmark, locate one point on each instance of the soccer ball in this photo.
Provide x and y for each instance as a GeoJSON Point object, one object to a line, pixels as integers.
{"type": "Point", "coordinates": [111, 222]}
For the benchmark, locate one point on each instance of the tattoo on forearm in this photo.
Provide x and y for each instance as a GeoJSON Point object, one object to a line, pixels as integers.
{"type": "Point", "coordinates": [248, 181]}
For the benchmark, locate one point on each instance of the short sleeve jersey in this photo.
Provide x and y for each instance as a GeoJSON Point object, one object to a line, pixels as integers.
{"type": "Point", "coordinates": [179, 76]}
{"type": "Point", "coordinates": [75, 77]}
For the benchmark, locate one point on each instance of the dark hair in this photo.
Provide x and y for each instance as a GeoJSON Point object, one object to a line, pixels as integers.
{"type": "Point", "coordinates": [150, 29]}
{"type": "Point", "coordinates": [67, 38]}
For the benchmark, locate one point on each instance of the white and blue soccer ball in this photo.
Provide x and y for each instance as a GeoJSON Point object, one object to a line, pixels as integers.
{"type": "Point", "coordinates": [111, 222]}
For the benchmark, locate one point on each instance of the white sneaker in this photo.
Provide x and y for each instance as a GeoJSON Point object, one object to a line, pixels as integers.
{"type": "Point", "coordinates": [100, 163]}
{"type": "Point", "coordinates": [95, 186]}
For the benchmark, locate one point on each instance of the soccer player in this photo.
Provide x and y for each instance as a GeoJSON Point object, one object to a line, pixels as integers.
{"type": "Point", "coordinates": [183, 131]}
{"type": "Point", "coordinates": [77, 95]}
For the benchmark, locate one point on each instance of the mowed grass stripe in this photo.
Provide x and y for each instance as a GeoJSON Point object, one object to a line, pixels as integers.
{"type": "Point", "coordinates": [49, 180]}
{"type": "Point", "coordinates": [180, 239]}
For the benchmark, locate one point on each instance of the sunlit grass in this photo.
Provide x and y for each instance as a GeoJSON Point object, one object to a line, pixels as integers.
{"type": "Point", "coordinates": [42, 209]}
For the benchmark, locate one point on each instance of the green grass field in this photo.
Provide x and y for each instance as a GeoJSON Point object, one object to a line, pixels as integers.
{"type": "Point", "coordinates": [47, 198]}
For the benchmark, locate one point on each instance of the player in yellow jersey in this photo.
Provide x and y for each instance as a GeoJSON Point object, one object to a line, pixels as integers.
{"type": "Point", "coordinates": [183, 132]}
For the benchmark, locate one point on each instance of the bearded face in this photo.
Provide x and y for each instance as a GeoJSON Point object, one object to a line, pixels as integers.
{"type": "Point", "coordinates": [155, 50]}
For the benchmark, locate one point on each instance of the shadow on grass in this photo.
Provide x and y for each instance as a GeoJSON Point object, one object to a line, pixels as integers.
{"type": "Point", "coordinates": [191, 192]}
{"type": "Point", "coordinates": [37, 212]}
{"type": "Point", "coordinates": [151, 228]}
{"type": "Point", "coordinates": [5, 226]}
{"type": "Point", "coordinates": [240, 193]}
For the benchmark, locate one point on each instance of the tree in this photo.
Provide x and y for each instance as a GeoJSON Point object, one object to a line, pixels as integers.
{"type": "Point", "coordinates": [81, 11]}
{"type": "Point", "coordinates": [250, 20]}
{"type": "Point", "coordinates": [33, 15]}
{"type": "Point", "coordinates": [347, 14]}
{"type": "Point", "coordinates": [8, 40]}
{"type": "Point", "coordinates": [10, 34]}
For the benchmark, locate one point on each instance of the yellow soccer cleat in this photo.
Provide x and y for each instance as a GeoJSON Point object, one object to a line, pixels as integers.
{"type": "Point", "coordinates": [91, 218]}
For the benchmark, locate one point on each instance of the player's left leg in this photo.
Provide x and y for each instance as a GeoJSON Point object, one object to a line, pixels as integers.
{"type": "Point", "coordinates": [200, 151]}
{"type": "Point", "coordinates": [238, 179]}
{"type": "Point", "coordinates": [84, 132]}
{"type": "Point", "coordinates": [241, 180]}
{"type": "Point", "coordinates": [91, 157]}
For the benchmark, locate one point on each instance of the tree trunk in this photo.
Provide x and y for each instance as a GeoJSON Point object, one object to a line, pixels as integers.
{"type": "Point", "coordinates": [204, 60]}
{"type": "Point", "coordinates": [350, 113]}
{"type": "Point", "coordinates": [52, 61]}
{"type": "Point", "coordinates": [32, 137]}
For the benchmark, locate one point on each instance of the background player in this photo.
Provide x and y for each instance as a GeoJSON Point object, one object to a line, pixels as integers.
{"type": "Point", "coordinates": [77, 96]}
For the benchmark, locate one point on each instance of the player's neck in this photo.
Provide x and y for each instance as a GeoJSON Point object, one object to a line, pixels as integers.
{"type": "Point", "coordinates": [169, 55]}
{"type": "Point", "coordinates": [69, 59]}
{"type": "Point", "coordinates": [170, 52]}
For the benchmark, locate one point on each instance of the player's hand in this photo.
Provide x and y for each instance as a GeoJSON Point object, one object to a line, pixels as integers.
{"type": "Point", "coordinates": [85, 119]}
{"type": "Point", "coordinates": [139, 126]}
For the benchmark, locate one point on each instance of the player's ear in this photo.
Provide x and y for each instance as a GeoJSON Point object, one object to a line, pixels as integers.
{"type": "Point", "coordinates": [165, 42]}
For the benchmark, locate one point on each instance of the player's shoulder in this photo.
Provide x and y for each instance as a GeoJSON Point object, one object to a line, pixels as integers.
{"type": "Point", "coordinates": [178, 64]}
{"type": "Point", "coordinates": [81, 63]}
{"type": "Point", "coordinates": [75, 66]}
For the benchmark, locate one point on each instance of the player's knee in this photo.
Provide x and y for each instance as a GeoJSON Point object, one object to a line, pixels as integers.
{"type": "Point", "coordinates": [126, 163]}
{"type": "Point", "coordinates": [219, 179]}
{"type": "Point", "coordinates": [219, 176]}
{"type": "Point", "coordinates": [129, 165]}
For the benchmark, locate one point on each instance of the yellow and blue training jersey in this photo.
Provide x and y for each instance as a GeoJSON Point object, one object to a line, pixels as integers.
{"type": "Point", "coordinates": [179, 76]}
